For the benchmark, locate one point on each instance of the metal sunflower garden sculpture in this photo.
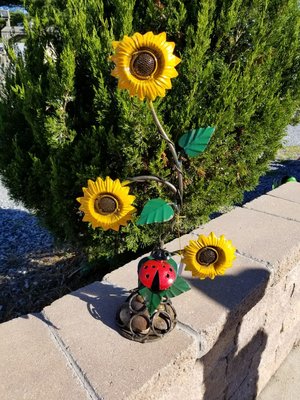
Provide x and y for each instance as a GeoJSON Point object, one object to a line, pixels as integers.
{"type": "Point", "coordinates": [144, 65]}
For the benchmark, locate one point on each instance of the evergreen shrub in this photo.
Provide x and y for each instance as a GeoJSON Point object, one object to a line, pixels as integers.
{"type": "Point", "coordinates": [62, 121]}
{"type": "Point", "coordinates": [16, 18]}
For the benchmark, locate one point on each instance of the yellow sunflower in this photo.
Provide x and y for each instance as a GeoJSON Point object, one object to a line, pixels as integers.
{"type": "Point", "coordinates": [209, 256]}
{"type": "Point", "coordinates": [106, 203]}
{"type": "Point", "coordinates": [145, 64]}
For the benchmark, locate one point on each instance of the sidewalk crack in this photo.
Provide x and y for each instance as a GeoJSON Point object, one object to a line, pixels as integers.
{"type": "Point", "coordinates": [190, 331]}
{"type": "Point", "coordinates": [276, 197]}
{"type": "Point", "coordinates": [71, 361]}
{"type": "Point", "coordinates": [273, 215]}
{"type": "Point", "coordinates": [266, 264]}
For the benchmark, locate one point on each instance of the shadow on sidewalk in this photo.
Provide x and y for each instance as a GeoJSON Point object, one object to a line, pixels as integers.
{"type": "Point", "coordinates": [103, 301]}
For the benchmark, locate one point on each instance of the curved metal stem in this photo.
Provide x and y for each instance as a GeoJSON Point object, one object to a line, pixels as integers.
{"type": "Point", "coordinates": [171, 146]}
{"type": "Point", "coordinates": [144, 178]}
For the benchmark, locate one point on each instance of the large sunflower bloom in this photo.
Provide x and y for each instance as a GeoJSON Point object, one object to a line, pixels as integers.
{"type": "Point", "coordinates": [208, 256]}
{"type": "Point", "coordinates": [145, 64]}
{"type": "Point", "coordinates": [106, 204]}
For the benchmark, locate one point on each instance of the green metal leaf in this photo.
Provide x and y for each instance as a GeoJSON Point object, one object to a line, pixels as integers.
{"type": "Point", "coordinates": [174, 264]}
{"type": "Point", "coordinates": [179, 286]}
{"type": "Point", "coordinates": [196, 140]}
{"type": "Point", "coordinates": [152, 299]}
{"type": "Point", "coordinates": [155, 210]}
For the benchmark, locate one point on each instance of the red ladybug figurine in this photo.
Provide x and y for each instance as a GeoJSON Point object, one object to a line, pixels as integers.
{"type": "Point", "coordinates": [157, 274]}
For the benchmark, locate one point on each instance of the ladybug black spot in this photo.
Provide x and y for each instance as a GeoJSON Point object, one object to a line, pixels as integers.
{"type": "Point", "coordinates": [153, 266]}
{"type": "Point", "coordinates": [147, 276]}
{"type": "Point", "coordinates": [170, 269]}
{"type": "Point", "coordinates": [146, 267]}
{"type": "Point", "coordinates": [168, 276]}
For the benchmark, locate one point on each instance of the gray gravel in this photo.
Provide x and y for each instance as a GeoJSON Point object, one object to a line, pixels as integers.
{"type": "Point", "coordinates": [33, 272]}
{"type": "Point", "coordinates": [6, 202]}
{"type": "Point", "coordinates": [20, 232]}
{"type": "Point", "coordinates": [293, 136]}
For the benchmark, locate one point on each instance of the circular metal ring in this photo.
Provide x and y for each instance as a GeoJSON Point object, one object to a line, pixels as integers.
{"type": "Point", "coordinates": [139, 334]}
{"type": "Point", "coordinates": [166, 317]}
{"type": "Point", "coordinates": [130, 300]}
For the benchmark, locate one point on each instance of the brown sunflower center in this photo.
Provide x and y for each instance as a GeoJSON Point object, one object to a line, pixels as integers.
{"type": "Point", "coordinates": [143, 64]}
{"type": "Point", "coordinates": [106, 204]}
{"type": "Point", "coordinates": [207, 256]}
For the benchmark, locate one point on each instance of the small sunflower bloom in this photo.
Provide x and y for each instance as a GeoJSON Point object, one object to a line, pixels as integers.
{"type": "Point", "coordinates": [107, 204]}
{"type": "Point", "coordinates": [145, 64]}
{"type": "Point", "coordinates": [209, 256]}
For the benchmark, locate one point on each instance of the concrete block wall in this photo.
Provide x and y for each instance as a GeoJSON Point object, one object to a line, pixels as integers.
{"type": "Point", "coordinates": [233, 332]}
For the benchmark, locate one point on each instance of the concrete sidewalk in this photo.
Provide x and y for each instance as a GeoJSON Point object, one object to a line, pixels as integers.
{"type": "Point", "coordinates": [285, 383]}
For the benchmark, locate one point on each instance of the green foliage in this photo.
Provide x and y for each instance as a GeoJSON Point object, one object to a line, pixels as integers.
{"type": "Point", "coordinates": [16, 18]}
{"type": "Point", "coordinates": [62, 121]}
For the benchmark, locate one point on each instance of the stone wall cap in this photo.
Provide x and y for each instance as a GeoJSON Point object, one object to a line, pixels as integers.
{"type": "Point", "coordinates": [289, 191]}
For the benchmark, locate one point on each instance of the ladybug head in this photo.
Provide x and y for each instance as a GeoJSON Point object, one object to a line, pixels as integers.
{"type": "Point", "coordinates": [160, 254]}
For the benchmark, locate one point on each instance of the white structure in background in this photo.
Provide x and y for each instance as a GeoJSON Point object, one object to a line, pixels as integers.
{"type": "Point", "coordinates": [7, 33]}
{"type": "Point", "coordinates": [3, 57]}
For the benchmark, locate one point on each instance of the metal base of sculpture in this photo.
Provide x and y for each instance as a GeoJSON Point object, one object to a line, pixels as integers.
{"type": "Point", "coordinates": [136, 323]}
